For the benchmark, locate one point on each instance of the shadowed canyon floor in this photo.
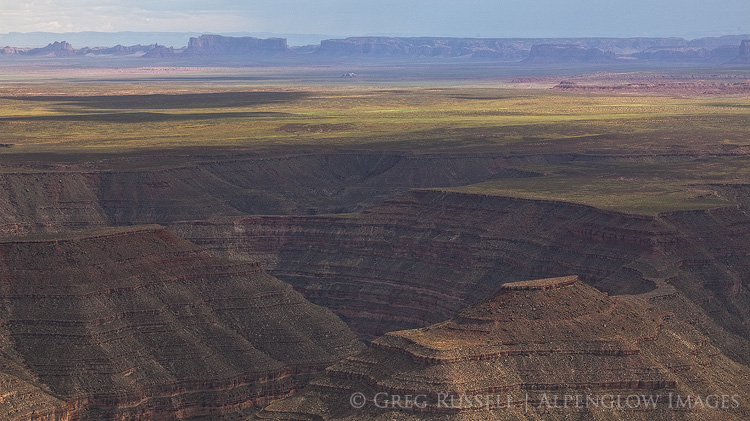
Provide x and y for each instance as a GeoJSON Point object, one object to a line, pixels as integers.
{"type": "Point", "coordinates": [301, 212]}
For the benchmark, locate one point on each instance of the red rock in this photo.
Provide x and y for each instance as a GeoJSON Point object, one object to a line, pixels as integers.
{"type": "Point", "coordinates": [530, 344]}
{"type": "Point", "coordinates": [136, 322]}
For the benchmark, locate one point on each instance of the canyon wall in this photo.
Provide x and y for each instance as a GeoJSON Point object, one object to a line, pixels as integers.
{"type": "Point", "coordinates": [60, 199]}
{"type": "Point", "coordinates": [744, 54]}
{"type": "Point", "coordinates": [126, 323]}
{"type": "Point", "coordinates": [567, 53]}
{"type": "Point", "coordinates": [422, 257]}
{"type": "Point", "coordinates": [217, 45]}
{"type": "Point", "coordinates": [503, 358]}
{"type": "Point", "coordinates": [346, 232]}
{"type": "Point", "coordinates": [415, 259]}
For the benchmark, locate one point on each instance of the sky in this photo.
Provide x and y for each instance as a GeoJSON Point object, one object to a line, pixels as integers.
{"type": "Point", "coordinates": [458, 18]}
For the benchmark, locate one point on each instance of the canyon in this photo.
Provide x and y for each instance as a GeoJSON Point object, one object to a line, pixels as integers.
{"type": "Point", "coordinates": [420, 258]}
{"type": "Point", "coordinates": [135, 322]}
{"type": "Point", "coordinates": [532, 340]}
{"type": "Point", "coordinates": [390, 250]}
{"type": "Point", "coordinates": [263, 243]}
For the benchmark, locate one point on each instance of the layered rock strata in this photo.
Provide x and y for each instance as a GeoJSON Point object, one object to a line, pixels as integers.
{"type": "Point", "coordinates": [54, 200]}
{"type": "Point", "coordinates": [533, 344]}
{"type": "Point", "coordinates": [422, 257]}
{"type": "Point", "coordinates": [137, 323]}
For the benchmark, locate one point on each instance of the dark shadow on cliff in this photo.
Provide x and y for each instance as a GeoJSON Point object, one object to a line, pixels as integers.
{"type": "Point", "coordinates": [144, 117]}
{"type": "Point", "coordinates": [204, 100]}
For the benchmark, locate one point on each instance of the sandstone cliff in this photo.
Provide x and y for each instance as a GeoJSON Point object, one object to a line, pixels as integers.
{"type": "Point", "coordinates": [536, 50]}
{"type": "Point", "coordinates": [159, 51]}
{"type": "Point", "coordinates": [9, 51]}
{"type": "Point", "coordinates": [675, 54]}
{"type": "Point", "coordinates": [422, 257]}
{"type": "Point", "coordinates": [414, 260]}
{"type": "Point", "coordinates": [745, 48]}
{"type": "Point", "coordinates": [60, 199]}
{"type": "Point", "coordinates": [567, 53]}
{"type": "Point", "coordinates": [119, 50]}
{"type": "Point", "coordinates": [744, 54]}
{"type": "Point", "coordinates": [600, 50]}
{"type": "Point", "coordinates": [532, 340]}
{"type": "Point", "coordinates": [217, 45]}
{"type": "Point", "coordinates": [424, 47]}
{"type": "Point", "coordinates": [136, 323]}
{"type": "Point", "coordinates": [56, 49]}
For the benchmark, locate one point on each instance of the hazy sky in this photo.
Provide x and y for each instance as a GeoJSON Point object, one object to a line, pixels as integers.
{"type": "Point", "coordinates": [461, 18]}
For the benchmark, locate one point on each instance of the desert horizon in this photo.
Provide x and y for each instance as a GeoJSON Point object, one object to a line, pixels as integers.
{"type": "Point", "coordinates": [235, 224]}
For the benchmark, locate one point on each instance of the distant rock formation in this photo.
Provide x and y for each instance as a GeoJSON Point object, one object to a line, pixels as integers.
{"type": "Point", "coordinates": [65, 49]}
{"type": "Point", "coordinates": [675, 54]}
{"type": "Point", "coordinates": [217, 45]}
{"type": "Point", "coordinates": [508, 357]}
{"type": "Point", "coordinates": [423, 256]}
{"type": "Point", "coordinates": [424, 47]}
{"type": "Point", "coordinates": [8, 51]}
{"type": "Point", "coordinates": [744, 56]}
{"type": "Point", "coordinates": [159, 51]}
{"type": "Point", "coordinates": [56, 49]}
{"type": "Point", "coordinates": [684, 54]}
{"type": "Point", "coordinates": [119, 50]}
{"type": "Point", "coordinates": [724, 53]}
{"type": "Point", "coordinates": [534, 50]}
{"type": "Point", "coordinates": [567, 53]}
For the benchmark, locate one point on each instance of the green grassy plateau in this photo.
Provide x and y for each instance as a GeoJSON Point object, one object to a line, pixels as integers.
{"type": "Point", "coordinates": [647, 152]}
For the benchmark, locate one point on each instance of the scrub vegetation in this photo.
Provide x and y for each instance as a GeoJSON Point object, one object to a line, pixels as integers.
{"type": "Point", "coordinates": [640, 153]}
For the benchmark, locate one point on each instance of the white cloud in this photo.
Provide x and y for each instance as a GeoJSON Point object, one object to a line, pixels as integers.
{"type": "Point", "coordinates": [107, 16]}
{"type": "Point", "coordinates": [353, 17]}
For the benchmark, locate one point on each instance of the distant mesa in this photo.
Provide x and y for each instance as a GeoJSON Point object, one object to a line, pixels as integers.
{"type": "Point", "coordinates": [485, 48]}
{"type": "Point", "coordinates": [205, 45]}
{"type": "Point", "coordinates": [8, 51]}
{"type": "Point", "coordinates": [218, 45]}
{"type": "Point", "coordinates": [120, 50]}
{"type": "Point", "coordinates": [745, 48]}
{"type": "Point", "coordinates": [56, 49]}
{"type": "Point", "coordinates": [529, 50]}
{"type": "Point", "coordinates": [675, 54]}
{"type": "Point", "coordinates": [567, 53]}
{"type": "Point", "coordinates": [529, 343]}
{"type": "Point", "coordinates": [65, 49]}
{"type": "Point", "coordinates": [744, 55]}
{"type": "Point", "coordinates": [159, 51]}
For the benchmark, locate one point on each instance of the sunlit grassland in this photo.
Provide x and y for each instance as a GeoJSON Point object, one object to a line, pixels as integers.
{"type": "Point", "coordinates": [659, 153]}
{"type": "Point", "coordinates": [404, 119]}
{"type": "Point", "coordinates": [644, 188]}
